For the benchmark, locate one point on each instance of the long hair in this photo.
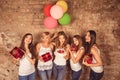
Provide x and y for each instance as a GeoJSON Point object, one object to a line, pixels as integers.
{"type": "Point", "coordinates": [78, 37]}
{"type": "Point", "coordinates": [58, 42]}
{"type": "Point", "coordinates": [30, 46]}
{"type": "Point", "coordinates": [92, 41]}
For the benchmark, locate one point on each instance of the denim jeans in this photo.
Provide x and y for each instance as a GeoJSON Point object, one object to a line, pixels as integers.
{"type": "Point", "coordinates": [27, 77]}
{"type": "Point", "coordinates": [95, 76]}
{"type": "Point", "coordinates": [45, 75]}
{"type": "Point", "coordinates": [76, 74]}
{"type": "Point", "coordinates": [59, 72]}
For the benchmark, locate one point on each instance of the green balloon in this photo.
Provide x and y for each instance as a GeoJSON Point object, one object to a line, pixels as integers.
{"type": "Point", "coordinates": [66, 19]}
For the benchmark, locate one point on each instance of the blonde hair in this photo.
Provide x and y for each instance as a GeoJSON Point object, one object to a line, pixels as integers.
{"type": "Point", "coordinates": [45, 34]}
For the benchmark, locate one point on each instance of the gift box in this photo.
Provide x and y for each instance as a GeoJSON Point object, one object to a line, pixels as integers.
{"type": "Point", "coordinates": [17, 52]}
{"type": "Point", "coordinates": [46, 57]}
{"type": "Point", "coordinates": [88, 58]}
{"type": "Point", "coordinates": [73, 47]}
{"type": "Point", "coordinates": [60, 51]}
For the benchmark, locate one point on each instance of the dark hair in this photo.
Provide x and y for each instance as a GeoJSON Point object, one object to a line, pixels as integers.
{"type": "Point", "coordinates": [58, 42]}
{"type": "Point", "coordinates": [30, 46]}
{"type": "Point", "coordinates": [92, 41]}
{"type": "Point", "coordinates": [78, 37]}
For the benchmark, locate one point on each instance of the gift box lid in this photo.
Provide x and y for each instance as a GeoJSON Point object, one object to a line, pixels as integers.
{"type": "Point", "coordinates": [46, 57]}
{"type": "Point", "coordinates": [17, 52]}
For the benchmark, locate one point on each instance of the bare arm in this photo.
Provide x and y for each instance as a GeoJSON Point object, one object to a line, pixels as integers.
{"type": "Point", "coordinates": [97, 57]}
{"type": "Point", "coordinates": [32, 61]}
{"type": "Point", "coordinates": [38, 46]}
{"type": "Point", "coordinates": [67, 52]}
{"type": "Point", "coordinates": [54, 36]}
{"type": "Point", "coordinates": [76, 59]}
{"type": "Point", "coordinates": [15, 61]}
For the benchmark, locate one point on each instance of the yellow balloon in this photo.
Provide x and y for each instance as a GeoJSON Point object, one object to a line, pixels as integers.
{"type": "Point", "coordinates": [63, 4]}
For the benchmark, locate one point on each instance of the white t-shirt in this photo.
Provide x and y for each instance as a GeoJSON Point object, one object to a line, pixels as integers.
{"type": "Point", "coordinates": [26, 67]}
{"type": "Point", "coordinates": [75, 66]}
{"type": "Point", "coordinates": [97, 69]}
{"type": "Point", "coordinates": [59, 57]}
{"type": "Point", "coordinates": [45, 65]}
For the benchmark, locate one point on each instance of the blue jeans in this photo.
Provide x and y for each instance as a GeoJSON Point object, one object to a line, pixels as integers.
{"type": "Point", "coordinates": [76, 74]}
{"type": "Point", "coordinates": [27, 77]}
{"type": "Point", "coordinates": [95, 76]}
{"type": "Point", "coordinates": [59, 72]}
{"type": "Point", "coordinates": [45, 75]}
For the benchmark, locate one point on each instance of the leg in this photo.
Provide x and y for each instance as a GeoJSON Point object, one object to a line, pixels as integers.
{"type": "Point", "coordinates": [92, 75]}
{"type": "Point", "coordinates": [98, 76]}
{"type": "Point", "coordinates": [43, 75]}
{"type": "Point", "coordinates": [22, 77]}
{"type": "Point", "coordinates": [61, 72]}
{"type": "Point", "coordinates": [49, 72]}
{"type": "Point", "coordinates": [31, 76]}
{"type": "Point", "coordinates": [95, 76]}
{"type": "Point", "coordinates": [76, 75]}
{"type": "Point", "coordinates": [55, 72]}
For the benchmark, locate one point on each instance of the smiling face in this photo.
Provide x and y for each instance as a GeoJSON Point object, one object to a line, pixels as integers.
{"type": "Point", "coordinates": [75, 41]}
{"type": "Point", "coordinates": [61, 39]}
{"type": "Point", "coordinates": [87, 37]}
{"type": "Point", "coordinates": [46, 38]}
{"type": "Point", "coordinates": [28, 39]}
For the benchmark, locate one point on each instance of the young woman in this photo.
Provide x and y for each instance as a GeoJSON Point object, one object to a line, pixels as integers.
{"type": "Point", "coordinates": [26, 63]}
{"type": "Point", "coordinates": [61, 56]}
{"type": "Point", "coordinates": [45, 47]}
{"type": "Point", "coordinates": [91, 47]}
{"type": "Point", "coordinates": [76, 52]}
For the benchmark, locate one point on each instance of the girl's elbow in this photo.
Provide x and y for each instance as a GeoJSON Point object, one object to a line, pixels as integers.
{"type": "Point", "coordinates": [100, 64]}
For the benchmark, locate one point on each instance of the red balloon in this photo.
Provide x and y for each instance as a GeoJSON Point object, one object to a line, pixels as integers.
{"type": "Point", "coordinates": [47, 9]}
{"type": "Point", "coordinates": [50, 23]}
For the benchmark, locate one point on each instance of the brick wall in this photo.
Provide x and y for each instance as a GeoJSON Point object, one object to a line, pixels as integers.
{"type": "Point", "coordinates": [18, 17]}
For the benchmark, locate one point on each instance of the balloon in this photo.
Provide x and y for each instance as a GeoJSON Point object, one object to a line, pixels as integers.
{"type": "Point", "coordinates": [63, 4]}
{"type": "Point", "coordinates": [56, 11]}
{"type": "Point", "coordinates": [47, 9]}
{"type": "Point", "coordinates": [66, 19]}
{"type": "Point", "coordinates": [50, 23]}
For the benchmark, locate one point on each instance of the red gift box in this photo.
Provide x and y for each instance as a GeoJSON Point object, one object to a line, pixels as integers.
{"type": "Point", "coordinates": [60, 51]}
{"type": "Point", "coordinates": [73, 47]}
{"type": "Point", "coordinates": [16, 52]}
{"type": "Point", "coordinates": [88, 58]}
{"type": "Point", "coordinates": [46, 57]}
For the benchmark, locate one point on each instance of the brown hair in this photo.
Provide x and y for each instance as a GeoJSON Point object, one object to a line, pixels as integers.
{"type": "Point", "coordinates": [58, 42]}
{"type": "Point", "coordinates": [30, 46]}
{"type": "Point", "coordinates": [78, 37]}
{"type": "Point", "coordinates": [92, 41]}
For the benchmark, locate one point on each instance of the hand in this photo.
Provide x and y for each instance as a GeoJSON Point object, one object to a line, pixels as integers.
{"type": "Point", "coordinates": [55, 34]}
{"type": "Point", "coordinates": [40, 58]}
{"type": "Point", "coordinates": [85, 63]}
{"type": "Point", "coordinates": [18, 59]}
{"type": "Point", "coordinates": [15, 61]}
